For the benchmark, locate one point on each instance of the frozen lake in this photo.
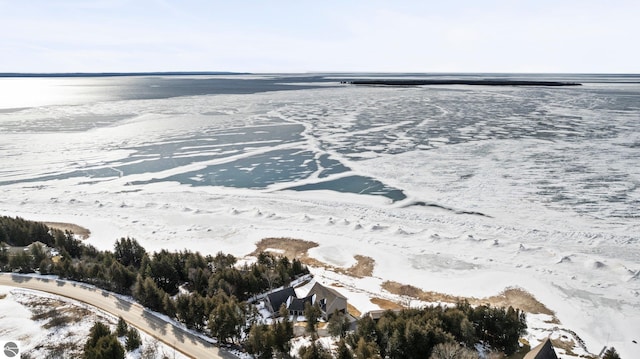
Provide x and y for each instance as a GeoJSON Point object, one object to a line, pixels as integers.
{"type": "Point", "coordinates": [460, 189]}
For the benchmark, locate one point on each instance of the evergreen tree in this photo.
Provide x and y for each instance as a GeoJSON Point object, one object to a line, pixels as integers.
{"type": "Point", "coordinates": [129, 252]}
{"type": "Point", "coordinates": [338, 324]}
{"type": "Point", "coordinates": [283, 331]}
{"type": "Point", "coordinates": [45, 266]}
{"type": "Point", "coordinates": [133, 341]}
{"type": "Point", "coordinates": [148, 294]}
{"type": "Point", "coordinates": [164, 273]}
{"type": "Point", "coordinates": [260, 341]}
{"type": "Point", "coordinates": [21, 261]}
{"type": "Point", "coordinates": [226, 320]}
{"type": "Point", "coordinates": [122, 279]}
{"type": "Point", "coordinates": [107, 348]}
{"type": "Point", "coordinates": [97, 331]}
{"type": "Point", "coordinates": [314, 351]}
{"type": "Point", "coordinates": [168, 306]}
{"type": "Point", "coordinates": [197, 310]}
{"type": "Point", "coordinates": [122, 327]}
{"type": "Point", "coordinates": [312, 313]}
{"type": "Point", "coordinates": [37, 253]}
{"type": "Point", "coordinates": [101, 344]}
{"type": "Point", "coordinates": [182, 310]}
{"type": "Point", "coordinates": [611, 353]}
{"type": "Point", "coordinates": [4, 255]}
{"type": "Point", "coordinates": [343, 352]}
{"type": "Point", "coordinates": [366, 350]}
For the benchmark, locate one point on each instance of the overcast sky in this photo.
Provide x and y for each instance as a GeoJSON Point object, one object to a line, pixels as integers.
{"type": "Point", "coordinates": [321, 35]}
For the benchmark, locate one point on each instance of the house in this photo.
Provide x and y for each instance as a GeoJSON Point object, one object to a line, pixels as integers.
{"type": "Point", "coordinates": [375, 315]}
{"type": "Point", "coordinates": [296, 305]}
{"type": "Point", "coordinates": [543, 351]}
{"type": "Point", "coordinates": [329, 300]}
{"type": "Point", "coordinates": [45, 248]}
{"type": "Point", "coordinates": [273, 301]}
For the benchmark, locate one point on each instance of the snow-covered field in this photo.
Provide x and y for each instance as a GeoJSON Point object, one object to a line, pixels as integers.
{"type": "Point", "coordinates": [23, 318]}
{"type": "Point", "coordinates": [456, 190]}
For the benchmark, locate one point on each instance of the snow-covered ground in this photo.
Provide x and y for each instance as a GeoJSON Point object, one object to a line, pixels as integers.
{"type": "Point", "coordinates": [39, 338]}
{"type": "Point", "coordinates": [592, 293]}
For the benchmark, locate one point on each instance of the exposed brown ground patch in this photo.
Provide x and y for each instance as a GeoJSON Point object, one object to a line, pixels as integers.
{"type": "Point", "coordinates": [84, 233]}
{"type": "Point", "coordinates": [290, 247]}
{"type": "Point", "coordinates": [414, 292]}
{"type": "Point", "coordinates": [519, 298]}
{"type": "Point", "coordinates": [2, 296]}
{"type": "Point", "coordinates": [514, 297]}
{"type": "Point", "coordinates": [353, 310]}
{"type": "Point", "coordinates": [56, 313]}
{"type": "Point", "coordinates": [385, 304]}
{"type": "Point", "coordinates": [298, 248]}
{"type": "Point", "coordinates": [363, 267]}
{"type": "Point", "coordinates": [567, 344]}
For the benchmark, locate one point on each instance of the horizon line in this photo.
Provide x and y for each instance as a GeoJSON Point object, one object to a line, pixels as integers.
{"type": "Point", "coordinates": [204, 73]}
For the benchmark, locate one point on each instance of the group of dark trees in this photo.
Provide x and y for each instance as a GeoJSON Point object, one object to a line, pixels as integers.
{"type": "Point", "coordinates": [104, 344]}
{"type": "Point", "coordinates": [415, 333]}
{"type": "Point", "coordinates": [263, 340]}
{"type": "Point", "coordinates": [206, 293]}
{"type": "Point", "coordinates": [17, 232]}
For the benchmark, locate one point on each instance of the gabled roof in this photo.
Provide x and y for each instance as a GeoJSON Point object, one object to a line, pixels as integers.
{"type": "Point", "coordinates": [42, 245]}
{"type": "Point", "coordinates": [543, 351]}
{"type": "Point", "coordinates": [325, 292]}
{"type": "Point", "coordinates": [298, 304]}
{"type": "Point", "coordinates": [277, 298]}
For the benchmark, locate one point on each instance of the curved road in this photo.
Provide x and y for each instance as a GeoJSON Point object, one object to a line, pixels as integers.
{"type": "Point", "coordinates": [136, 315]}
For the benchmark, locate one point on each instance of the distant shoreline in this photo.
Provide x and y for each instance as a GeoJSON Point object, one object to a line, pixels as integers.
{"type": "Point", "coordinates": [118, 74]}
{"type": "Point", "coordinates": [499, 82]}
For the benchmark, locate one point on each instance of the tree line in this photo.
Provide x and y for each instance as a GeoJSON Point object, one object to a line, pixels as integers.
{"type": "Point", "coordinates": [431, 332]}
{"type": "Point", "coordinates": [207, 293]}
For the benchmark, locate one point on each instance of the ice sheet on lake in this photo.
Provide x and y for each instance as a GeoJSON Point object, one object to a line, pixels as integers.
{"type": "Point", "coordinates": [510, 182]}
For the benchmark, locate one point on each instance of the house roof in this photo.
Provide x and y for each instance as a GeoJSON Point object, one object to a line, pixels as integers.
{"type": "Point", "coordinates": [543, 351]}
{"type": "Point", "coordinates": [298, 304]}
{"type": "Point", "coordinates": [38, 243]}
{"type": "Point", "coordinates": [279, 297]}
{"type": "Point", "coordinates": [325, 292]}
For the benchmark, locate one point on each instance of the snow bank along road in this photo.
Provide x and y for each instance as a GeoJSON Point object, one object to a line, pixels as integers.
{"type": "Point", "coordinates": [133, 313]}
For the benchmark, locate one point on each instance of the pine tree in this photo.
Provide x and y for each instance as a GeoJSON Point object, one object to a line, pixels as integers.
{"type": "Point", "coordinates": [366, 350]}
{"type": "Point", "coordinates": [122, 327]}
{"type": "Point", "coordinates": [102, 344]}
{"type": "Point", "coordinates": [133, 341]}
{"type": "Point", "coordinates": [343, 352]}
{"type": "Point", "coordinates": [260, 341]}
{"type": "Point", "coordinates": [312, 313]}
{"type": "Point", "coordinates": [97, 331]}
{"type": "Point", "coordinates": [611, 353]}
{"type": "Point", "coordinates": [338, 324]}
{"type": "Point", "coordinates": [169, 306]}
{"type": "Point", "coordinates": [314, 351]}
{"type": "Point", "coordinates": [226, 320]}
{"type": "Point", "coordinates": [108, 348]}
{"type": "Point", "coordinates": [129, 252]}
{"type": "Point", "coordinates": [283, 331]}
